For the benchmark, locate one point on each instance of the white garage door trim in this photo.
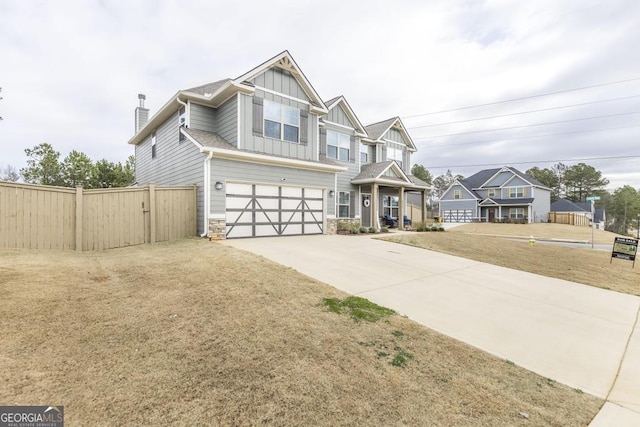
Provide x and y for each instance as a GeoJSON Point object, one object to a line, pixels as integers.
{"type": "Point", "coordinates": [260, 210]}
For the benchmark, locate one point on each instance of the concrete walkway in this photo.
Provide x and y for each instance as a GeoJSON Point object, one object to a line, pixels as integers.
{"type": "Point", "coordinates": [575, 334]}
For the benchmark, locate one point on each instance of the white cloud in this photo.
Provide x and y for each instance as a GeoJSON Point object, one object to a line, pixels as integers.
{"type": "Point", "coordinates": [75, 68]}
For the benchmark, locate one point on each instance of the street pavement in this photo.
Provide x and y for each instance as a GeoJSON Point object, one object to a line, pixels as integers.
{"type": "Point", "coordinates": [579, 335]}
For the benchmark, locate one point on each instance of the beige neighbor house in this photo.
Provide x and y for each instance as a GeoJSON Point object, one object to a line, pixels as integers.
{"type": "Point", "coordinates": [270, 157]}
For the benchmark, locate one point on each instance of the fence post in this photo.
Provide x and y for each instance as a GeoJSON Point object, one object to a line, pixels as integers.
{"type": "Point", "coordinates": [152, 212]}
{"type": "Point", "coordinates": [194, 217]}
{"type": "Point", "coordinates": [78, 218]}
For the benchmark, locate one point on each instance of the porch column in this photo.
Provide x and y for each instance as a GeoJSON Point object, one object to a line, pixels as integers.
{"type": "Point", "coordinates": [529, 214]}
{"type": "Point", "coordinates": [423, 197]}
{"type": "Point", "coordinates": [375, 217]}
{"type": "Point", "coordinates": [401, 208]}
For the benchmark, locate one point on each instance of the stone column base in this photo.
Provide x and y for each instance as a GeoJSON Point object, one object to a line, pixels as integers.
{"type": "Point", "coordinates": [217, 229]}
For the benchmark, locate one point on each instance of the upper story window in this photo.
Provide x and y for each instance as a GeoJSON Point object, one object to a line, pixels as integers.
{"type": "Point", "coordinates": [457, 194]}
{"type": "Point", "coordinates": [491, 192]}
{"type": "Point", "coordinates": [153, 145]}
{"type": "Point", "coordinates": [394, 153]}
{"type": "Point", "coordinates": [182, 122]}
{"type": "Point", "coordinates": [338, 145]}
{"type": "Point", "coordinates": [281, 122]}
{"type": "Point", "coordinates": [364, 153]}
{"type": "Point", "coordinates": [516, 192]}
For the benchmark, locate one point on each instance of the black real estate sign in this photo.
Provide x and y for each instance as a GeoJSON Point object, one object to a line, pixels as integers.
{"type": "Point", "coordinates": [625, 248]}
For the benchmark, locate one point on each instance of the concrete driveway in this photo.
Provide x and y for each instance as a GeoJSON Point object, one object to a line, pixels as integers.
{"type": "Point", "coordinates": [578, 335]}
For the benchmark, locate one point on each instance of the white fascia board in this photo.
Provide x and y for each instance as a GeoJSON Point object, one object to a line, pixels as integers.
{"type": "Point", "coordinates": [389, 183]}
{"type": "Point", "coordinates": [338, 125]}
{"type": "Point", "coordinates": [156, 120]}
{"type": "Point", "coordinates": [244, 156]}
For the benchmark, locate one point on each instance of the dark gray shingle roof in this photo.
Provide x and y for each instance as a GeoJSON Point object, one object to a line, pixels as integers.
{"type": "Point", "coordinates": [418, 181]}
{"type": "Point", "coordinates": [372, 170]}
{"type": "Point", "coordinates": [512, 202]}
{"type": "Point", "coordinates": [376, 130]}
{"type": "Point", "coordinates": [564, 205]}
{"type": "Point", "coordinates": [209, 87]}
{"type": "Point", "coordinates": [209, 139]}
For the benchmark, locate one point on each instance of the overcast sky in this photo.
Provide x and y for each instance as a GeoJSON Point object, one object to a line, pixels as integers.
{"type": "Point", "coordinates": [70, 72]}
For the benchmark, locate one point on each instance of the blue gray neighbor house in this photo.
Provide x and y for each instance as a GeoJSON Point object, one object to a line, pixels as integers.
{"type": "Point", "coordinates": [270, 157]}
{"type": "Point", "coordinates": [496, 195]}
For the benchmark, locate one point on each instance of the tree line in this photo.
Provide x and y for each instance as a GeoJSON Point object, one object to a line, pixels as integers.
{"type": "Point", "coordinates": [44, 167]}
{"type": "Point", "coordinates": [574, 183]}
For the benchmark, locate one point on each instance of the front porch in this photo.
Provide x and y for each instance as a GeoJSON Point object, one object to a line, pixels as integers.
{"type": "Point", "coordinates": [383, 188]}
{"type": "Point", "coordinates": [505, 210]}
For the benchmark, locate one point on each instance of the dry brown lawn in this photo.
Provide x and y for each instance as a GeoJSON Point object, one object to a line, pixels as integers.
{"type": "Point", "coordinates": [494, 244]}
{"type": "Point", "coordinates": [539, 230]}
{"type": "Point", "coordinates": [197, 333]}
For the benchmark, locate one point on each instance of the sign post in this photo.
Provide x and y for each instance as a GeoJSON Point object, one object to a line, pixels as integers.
{"type": "Point", "coordinates": [592, 199]}
{"type": "Point", "coordinates": [625, 248]}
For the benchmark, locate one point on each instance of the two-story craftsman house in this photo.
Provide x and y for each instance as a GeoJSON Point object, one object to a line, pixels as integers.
{"type": "Point", "coordinates": [271, 158]}
{"type": "Point", "coordinates": [496, 195]}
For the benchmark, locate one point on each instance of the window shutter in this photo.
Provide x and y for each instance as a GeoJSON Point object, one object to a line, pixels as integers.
{"type": "Point", "coordinates": [407, 160]}
{"type": "Point", "coordinates": [384, 154]}
{"type": "Point", "coordinates": [524, 192]}
{"type": "Point", "coordinates": [323, 142]}
{"type": "Point", "coordinates": [352, 150]}
{"type": "Point", "coordinates": [304, 127]}
{"type": "Point", "coordinates": [257, 115]}
{"type": "Point", "coordinates": [352, 204]}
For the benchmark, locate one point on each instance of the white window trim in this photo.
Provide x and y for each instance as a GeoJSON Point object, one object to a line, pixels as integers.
{"type": "Point", "coordinates": [154, 145]}
{"type": "Point", "coordinates": [348, 204]}
{"type": "Point", "coordinates": [340, 145]}
{"type": "Point", "coordinates": [282, 123]}
{"type": "Point", "coordinates": [516, 210]}
{"type": "Point", "coordinates": [515, 189]}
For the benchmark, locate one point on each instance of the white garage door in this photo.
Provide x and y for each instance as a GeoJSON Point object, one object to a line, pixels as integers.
{"type": "Point", "coordinates": [458, 215]}
{"type": "Point", "coordinates": [257, 210]}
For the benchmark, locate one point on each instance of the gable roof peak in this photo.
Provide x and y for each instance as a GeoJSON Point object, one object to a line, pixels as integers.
{"type": "Point", "coordinates": [284, 60]}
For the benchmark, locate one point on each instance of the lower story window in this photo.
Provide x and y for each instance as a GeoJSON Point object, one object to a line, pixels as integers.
{"type": "Point", "coordinates": [343, 204]}
{"type": "Point", "coordinates": [390, 206]}
{"type": "Point", "coordinates": [516, 213]}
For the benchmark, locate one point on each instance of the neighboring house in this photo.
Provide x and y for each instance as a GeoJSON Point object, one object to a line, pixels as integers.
{"type": "Point", "coordinates": [271, 158]}
{"type": "Point", "coordinates": [580, 208]}
{"type": "Point", "coordinates": [496, 195]}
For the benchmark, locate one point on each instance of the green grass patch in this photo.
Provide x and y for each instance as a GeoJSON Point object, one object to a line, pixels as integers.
{"type": "Point", "coordinates": [358, 308]}
{"type": "Point", "coordinates": [401, 358]}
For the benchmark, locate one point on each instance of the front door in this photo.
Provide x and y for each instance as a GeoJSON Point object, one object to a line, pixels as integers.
{"type": "Point", "coordinates": [365, 218]}
{"type": "Point", "coordinates": [492, 215]}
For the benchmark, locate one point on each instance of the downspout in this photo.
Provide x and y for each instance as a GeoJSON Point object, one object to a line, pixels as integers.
{"type": "Point", "coordinates": [207, 195]}
{"type": "Point", "coordinates": [207, 179]}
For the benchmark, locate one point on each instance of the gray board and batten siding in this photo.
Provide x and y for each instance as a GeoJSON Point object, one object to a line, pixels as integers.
{"type": "Point", "coordinates": [337, 115]}
{"type": "Point", "coordinates": [280, 81]}
{"type": "Point", "coordinates": [252, 139]}
{"type": "Point", "coordinates": [176, 162]}
{"type": "Point", "coordinates": [222, 120]}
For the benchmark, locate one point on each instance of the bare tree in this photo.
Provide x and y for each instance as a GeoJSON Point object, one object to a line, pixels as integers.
{"type": "Point", "coordinates": [9, 173]}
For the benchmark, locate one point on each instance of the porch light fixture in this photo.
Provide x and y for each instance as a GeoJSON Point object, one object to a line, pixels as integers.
{"type": "Point", "coordinates": [219, 185]}
{"type": "Point", "coordinates": [332, 193]}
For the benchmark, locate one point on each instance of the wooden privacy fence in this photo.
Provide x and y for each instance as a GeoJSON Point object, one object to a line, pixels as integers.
{"type": "Point", "coordinates": [570, 218]}
{"type": "Point", "coordinates": [43, 217]}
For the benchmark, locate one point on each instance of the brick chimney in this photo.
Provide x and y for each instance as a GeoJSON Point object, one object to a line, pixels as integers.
{"type": "Point", "coordinates": [142, 114]}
